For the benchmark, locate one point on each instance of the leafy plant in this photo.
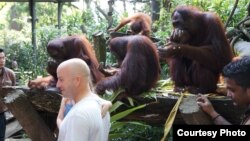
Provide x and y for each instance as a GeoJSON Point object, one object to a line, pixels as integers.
{"type": "Point", "coordinates": [125, 130]}
{"type": "Point", "coordinates": [222, 8]}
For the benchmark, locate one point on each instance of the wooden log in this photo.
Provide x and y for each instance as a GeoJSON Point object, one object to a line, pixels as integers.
{"type": "Point", "coordinates": [156, 113]}
{"type": "Point", "coordinates": [12, 128]}
{"type": "Point", "coordinates": [43, 100]}
{"type": "Point", "coordinates": [29, 119]}
{"type": "Point", "coordinates": [192, 113]}
{"type": "Point", "coordinates": [100, 47]}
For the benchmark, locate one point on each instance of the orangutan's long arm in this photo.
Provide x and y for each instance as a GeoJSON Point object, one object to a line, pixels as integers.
{"type": "Point", "coordinates": [123, 23]}
{"type": "Point", "coordinates": [203, 54]}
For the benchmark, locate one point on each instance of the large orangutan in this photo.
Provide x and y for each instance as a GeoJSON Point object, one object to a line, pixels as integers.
{"type": "Point", "coordinates": [140, 23]}
{"type": "Point", "coordinates": [118, 47]}
{"type": "Point", "coordinates": [140, 67]}
{"type": "Point", "coordinates": [62, 49]}
{"type": "Point", "coordinates": [197, 50]}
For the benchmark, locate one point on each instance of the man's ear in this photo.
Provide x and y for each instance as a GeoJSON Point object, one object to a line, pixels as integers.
{"type": "Point", "coordinates": [77, 81]}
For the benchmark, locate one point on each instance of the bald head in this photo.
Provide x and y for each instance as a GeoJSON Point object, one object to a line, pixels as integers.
{"type": "Point", "coordinates": [75, 67]}
{"type": "Point", "coordinates": [73, 77]}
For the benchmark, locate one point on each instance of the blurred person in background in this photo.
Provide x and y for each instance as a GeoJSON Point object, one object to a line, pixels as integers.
{"type": "Point", "coordinates": [7, 78]}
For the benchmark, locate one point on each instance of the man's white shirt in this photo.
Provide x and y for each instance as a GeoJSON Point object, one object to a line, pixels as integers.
{"type": "Point", "coordinates": [85, 123]}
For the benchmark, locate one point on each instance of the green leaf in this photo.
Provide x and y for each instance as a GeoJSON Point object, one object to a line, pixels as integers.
{"type": "Point", "coordinates": [150, 95]}
{"type": "Point", "coordinates": [125, 113]}
{"type": "Point", "coordinates": [124, 136]}
{"type": "Point", "coordinates": [131, 102]}
{"type": "Point", "coordinates": [171, 117]}
{"type": "Point", "coordinates": [111, 96]}
{"type": "Point", "coordinates": [117, 136]}
{"type": "Point", "coordinates": [116, 105]}
{"type": "Point", "coordinates": [117, 125]}
{"type": "Point", "coordinates": [137, 123]}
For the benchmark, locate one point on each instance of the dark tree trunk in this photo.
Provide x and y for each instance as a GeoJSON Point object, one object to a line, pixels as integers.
{"type": "Point", "coordinates": [155, 10]}
{"type": "Point", "coordinates": [88, 2]}
{"type": "Point", "coordinates": [124, 6]}
{"type": "Point", "coordinates": [167, 5]}
{"type": "Point", "coordinates": [100, 47]}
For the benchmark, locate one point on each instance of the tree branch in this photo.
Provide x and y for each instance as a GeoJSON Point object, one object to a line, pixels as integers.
{"type": "Point", "coordinates": [232, 13]}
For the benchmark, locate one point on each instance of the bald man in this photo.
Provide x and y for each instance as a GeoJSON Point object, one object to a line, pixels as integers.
{"type": "Point", "coordinates": [84, 121]}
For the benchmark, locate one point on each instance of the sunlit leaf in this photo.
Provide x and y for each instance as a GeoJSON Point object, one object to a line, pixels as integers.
{"type": "Point", "coordinates": [111, 96]}
{"type": "Point", "coordinates": [115, 106]}
{"type": "Point", "coordinates": [171, 117]}
{"type": "Point", "coordinates": [117, 125]}
{"type": "Point", "coordinates": [125, 113]}
{"type": "Point", "coordinates": [131, 102]}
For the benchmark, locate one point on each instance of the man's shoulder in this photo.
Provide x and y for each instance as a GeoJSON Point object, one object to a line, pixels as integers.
{"type": "Point", "coordinates": [87, 106]}
{"type": "Point", "coordinates": [8, 70]}
{"type": "Point", "coordinates": [89, 102]}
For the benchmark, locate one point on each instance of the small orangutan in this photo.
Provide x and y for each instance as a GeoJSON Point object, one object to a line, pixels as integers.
{"type": "Point", "coordinates": [140, 23]}
{"type": "Point", "coordinates": [197, 50]}
{"type": "Point", "coordinates": [62, 49]}
{"type": "Point", "coordinates": [139, 69]}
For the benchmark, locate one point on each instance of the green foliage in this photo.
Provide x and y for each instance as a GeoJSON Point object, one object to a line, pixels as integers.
{"type": "Point", "coordinates": [222, 8]}
{"type": "Point", "coordinates": [164, 70]}
{"type": "Point", "coordinates": [21, 50]}
{"type": "Point", "coordinates": [47, 33]}
{"type": "Point", "coordinates": [46, 14]}
{"type": "Point", "coordinates": [137, 132]}
{"type": "Point", "coordinates": [110, 59]}
{"type": "Point", "coordinates": [18, 43]}
{"type": "Point", "coordinates": [128, 130]}
{"type": "Point", "coordinates": [74, 21]}
{"type": "Point", "coordinates": [2, 4]}
{"type": "Point", "coordinates": [123, 114]}
{"type": "Point", "coordinates": [162, 26]}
